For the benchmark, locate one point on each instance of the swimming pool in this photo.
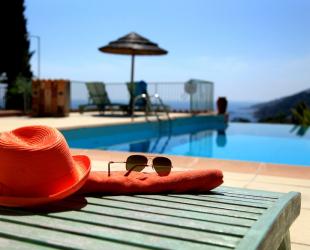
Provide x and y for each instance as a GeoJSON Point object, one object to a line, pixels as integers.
{"type": "Point", "coordinates": [195, 136]}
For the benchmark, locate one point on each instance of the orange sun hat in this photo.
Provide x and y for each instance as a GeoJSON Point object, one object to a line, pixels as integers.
{"type": "Point", "coordinates": [36, 167]}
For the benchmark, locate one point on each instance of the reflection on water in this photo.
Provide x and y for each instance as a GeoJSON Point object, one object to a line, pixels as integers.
{"type": "Point", "coordinates": [153, 145]}
{"type": "Point", "coordinates": [221, 138]}
{"type": "Point", "coordinates": [199, 143]}
{"type": "Point", "coordinates": [141, 146]}
{"type": "Point", "coordinates": [300, 130]}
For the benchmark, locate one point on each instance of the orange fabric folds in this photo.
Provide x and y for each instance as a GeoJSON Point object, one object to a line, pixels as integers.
{"type": "Point", "coordinates": [151, 183]}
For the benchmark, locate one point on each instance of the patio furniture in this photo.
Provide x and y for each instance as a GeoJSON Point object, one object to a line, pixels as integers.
{"type": "Point", "coordinates": [226, 218]}
{"type": "Point", "coordinates": [98, 96]}
{"type": "Point", "coordinates": [140, 100]}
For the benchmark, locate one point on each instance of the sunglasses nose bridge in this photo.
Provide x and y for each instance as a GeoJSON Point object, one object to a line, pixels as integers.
{"type": "Point", "coordinates": [150, 160]}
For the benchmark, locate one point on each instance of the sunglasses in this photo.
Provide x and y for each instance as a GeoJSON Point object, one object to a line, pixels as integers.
{"type": "Point", "coordinates": [162, 165]}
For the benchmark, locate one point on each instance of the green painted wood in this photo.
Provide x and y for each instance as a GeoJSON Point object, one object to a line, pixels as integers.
{"type": "Point", "coordinates": [110, 228]}
{"type": "Point", "coordinates": [243, 219]}
{"type": "Point", "coordinates": [250, 200]}
{"type": "Point", "coordinates": [46, 235]}
{"type": "Point", "coordinates": [20, 243]}
{"type": "Point", "coordinates": [128, 208]}
{"type": "Point", "coordinates": [221, 199]}
{"type": "Point", "coordinates": [269, 230]}
{"type": "Point", "coordinates": [108, 225]}
{"type": "Point", "coordinates": [246, 197]}
{"type": "Point", "coordinates": [159, 219]}
{"type": "Point", "coordinates": [248, 192]}
{"type": "Point", "coordinates": [185, 207]}
{"type": "Point", "coordinates": [205, 203]}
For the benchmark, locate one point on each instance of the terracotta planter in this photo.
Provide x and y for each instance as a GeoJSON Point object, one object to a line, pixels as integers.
{"type": "Point", "coordinates": [221, 104]}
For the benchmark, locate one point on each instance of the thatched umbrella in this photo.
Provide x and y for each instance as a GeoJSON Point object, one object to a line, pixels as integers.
{"type": "Point", "coordinates": [133, 44]}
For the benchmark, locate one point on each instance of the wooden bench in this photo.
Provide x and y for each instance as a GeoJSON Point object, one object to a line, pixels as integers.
{"type": "Point", "coordinates": [226, 218]}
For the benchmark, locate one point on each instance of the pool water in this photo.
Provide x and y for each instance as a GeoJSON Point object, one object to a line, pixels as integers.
{"type": "Point", "coordinates": [283, 144]}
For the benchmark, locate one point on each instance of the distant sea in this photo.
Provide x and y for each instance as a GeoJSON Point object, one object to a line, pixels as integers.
{"type": "Point", "coordinates": [243, 110]}
{"type": "Point", "coordinates": [236, 109]}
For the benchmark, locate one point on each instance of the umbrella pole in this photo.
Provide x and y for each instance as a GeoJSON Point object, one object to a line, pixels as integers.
{"type": "Point", "coordinates": [132, 68]}
{"type": "Point", "coordinates": [132, 85]}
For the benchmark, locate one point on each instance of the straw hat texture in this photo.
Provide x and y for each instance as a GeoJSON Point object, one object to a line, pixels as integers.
{"type": "Point", "coordinates": [36, 167]}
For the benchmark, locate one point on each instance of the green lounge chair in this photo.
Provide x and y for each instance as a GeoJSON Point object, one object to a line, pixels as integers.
{"type": "Point", "coordinates": [140, 99]}
{"type": "Point", "coordinates": [226, 218]}
{"type": "Point", "coordinates": [98, 97]}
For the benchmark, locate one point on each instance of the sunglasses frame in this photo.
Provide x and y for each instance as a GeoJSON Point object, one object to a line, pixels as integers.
{"type": "Point", "coordinates": [145, 165]}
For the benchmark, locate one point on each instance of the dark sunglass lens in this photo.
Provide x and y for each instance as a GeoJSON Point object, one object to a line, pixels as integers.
{"type": "Point", "coordinates": [136, 163]}
{"type": "Point", "coordinates": [162, 166]}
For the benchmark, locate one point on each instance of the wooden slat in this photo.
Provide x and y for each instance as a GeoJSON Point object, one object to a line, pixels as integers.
{"type": "Point", "coordinates": [160, 219]}
{"type": "Point", "coordinates": [45, 235]}
{"type": "Point", "coordinates": [272, 227]}
{"type": "Point", "coordinates": [35, 97]}
{"type": "Point", "coordinates": [205, 203]}
{"type": "Point", "coordinates": [47, 96]}
{"type": "Point", "coordinates": [220, 199]}
{"type": "Point", "coordinates": [41, 99]}
{"type": "Point", "coordinates": [54, 103]}
{"type": "Point", "coordinates": [198, 224]}
{"type": "Point", "coordinates": [19, 243]}
{"type": "Point", "coordinates": [249, 192]}
{"type": "Point", "coordinates": [185, 207]}
{"type": "Point", "coordinates": [89, 229]}
{"type": "Point", "coordinates": [186, 229]}
{"type": "Point", "coordinates": [125, 207]}
{"type": "Point", "coordinates": [230, 197]}
{"type": "Point", "coordinates": [248, 197]}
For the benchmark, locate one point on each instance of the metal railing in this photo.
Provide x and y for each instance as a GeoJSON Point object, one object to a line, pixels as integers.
{"type": "Point", "coordinates": [173, 94]}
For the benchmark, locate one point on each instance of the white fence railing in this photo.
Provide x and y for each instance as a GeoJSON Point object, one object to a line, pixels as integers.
{"type": "Point", "coordinates": [197, 98]}
{"type": "Point", "coordinates": [173, 94]}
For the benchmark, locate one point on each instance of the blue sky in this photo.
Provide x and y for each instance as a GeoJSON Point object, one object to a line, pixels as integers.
{"type": "Point", "coordinates": [253, 50]}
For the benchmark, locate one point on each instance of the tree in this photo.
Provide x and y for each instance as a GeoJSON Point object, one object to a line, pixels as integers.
{"type": "Point", "coordinates": [14, 49]}
{"type": "Point", "coordinates": [301, 114]}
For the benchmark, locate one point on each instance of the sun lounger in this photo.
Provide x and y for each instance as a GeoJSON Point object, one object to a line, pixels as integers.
{"type": "Point", "coordinates": [98, 96]}
{"type": "Point", "coordinates": [140, 100]}
{"type": "Point", "coordinates": [226, 218]}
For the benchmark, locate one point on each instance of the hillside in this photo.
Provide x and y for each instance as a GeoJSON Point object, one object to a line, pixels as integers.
{"type": "Point", "coordinates": [280, 108]}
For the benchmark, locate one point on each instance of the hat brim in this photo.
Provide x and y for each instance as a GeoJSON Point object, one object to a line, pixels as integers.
{"type": "Point", "coordinates": [83, 169]}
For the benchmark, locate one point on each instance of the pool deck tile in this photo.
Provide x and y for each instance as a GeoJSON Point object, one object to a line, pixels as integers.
{"type": "Point", "coordinates": [285, 170]}
{"type": "Point", "coordinates": [296, 246]}
{"type": "Point", "coordinates": [298, 182]}
{"type": "Point", "coordinates": [76, 120]}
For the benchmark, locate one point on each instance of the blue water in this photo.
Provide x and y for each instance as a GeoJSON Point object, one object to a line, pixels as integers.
{"type": "Point", "coordinates": [281, 144]}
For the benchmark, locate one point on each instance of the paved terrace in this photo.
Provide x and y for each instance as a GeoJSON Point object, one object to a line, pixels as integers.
{"type": "Point", "coordinates": [252, 175]}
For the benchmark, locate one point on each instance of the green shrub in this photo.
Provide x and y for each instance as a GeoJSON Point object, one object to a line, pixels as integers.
{"type": "Point", "coordinates": [22, 86]}
{"type": "Point", "coordinates": [301, 114]}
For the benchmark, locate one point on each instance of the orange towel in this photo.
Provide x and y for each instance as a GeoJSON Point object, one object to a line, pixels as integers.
{"type": "Point", "coordinates": [151, 183]}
